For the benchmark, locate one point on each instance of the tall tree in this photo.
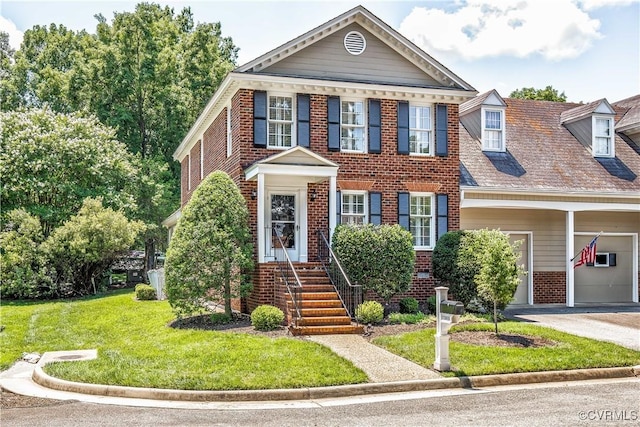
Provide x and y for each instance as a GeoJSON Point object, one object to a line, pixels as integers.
{"type": "Point", "coordinates": [546, 94]}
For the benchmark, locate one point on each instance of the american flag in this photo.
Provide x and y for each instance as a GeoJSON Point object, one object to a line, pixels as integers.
{"type": "Point", "coordinates": [588, 254]}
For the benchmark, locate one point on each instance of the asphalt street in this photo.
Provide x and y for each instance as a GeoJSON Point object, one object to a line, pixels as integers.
{"type": "Point", "coordinates": [596, 402]}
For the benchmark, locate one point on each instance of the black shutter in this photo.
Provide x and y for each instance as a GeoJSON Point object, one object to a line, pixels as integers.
{"type": "Point", "coordinates": [338, 208]}
{"type": "Point", "coordinates": [403, 210]}
{"type": "Point", "coordinates": [375, 208]}
{"type": "Point", "coordinates": [333, 123]}
{"type": "Point", "coordinates": [612, 260]}
{"type": "Point", "coordinates": [442, 136]}
{"type": "Point", "coordinates": [443, 214]}
{"type": "Point", "coordinates": [260, 118]}
{"type": "Point", "coordinates": [303, 112]}
{"type": "Point", "coordinates": [403, 127]}
{"type": "Point", "coordinates": [375, 137]}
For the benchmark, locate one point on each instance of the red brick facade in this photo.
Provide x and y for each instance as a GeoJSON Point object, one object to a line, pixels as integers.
{"type": "Point", "coordinates": [549, 287]}
{"type": "Point", "coordinates": [387, 173]}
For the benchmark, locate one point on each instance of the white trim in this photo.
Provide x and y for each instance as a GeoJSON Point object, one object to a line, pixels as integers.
{"type": "Point", "coordinates": [360, 43]}
{"type": "Point", "coordinates": [189, 173]}
{"type": "Point", "coordinates": [569, 254]}
{"type": "Point", "coordinates": [612, 134]}
{"type": "Point", "coordinates": [558, 206]}
{"type": "Point", "coordinates": [229, 132]}
{"type": "Point", "coordinates": [201, 159]}
{"type": "Point", "coordinates": [260, 213]}
{"type": "Point", "coordinates": [551, 192]}
{"type": "Point", "coordinates": [333, 189]}
{"type": "Point", "coordinates": [235, 81]}
{"type": "Point", "coordinates": [502, 129]}
{"type": "Point", "coordinates": [432, 228]}
{"type": "Point", "coordinates": [634, 256]}
{"type": "Point", "coordinates": [529, 235]}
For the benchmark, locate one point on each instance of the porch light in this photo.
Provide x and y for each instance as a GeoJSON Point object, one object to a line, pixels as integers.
{"type": "Point", "coordinates": [313, 194]}
{"type": "Point", "coordinates": [254, 194]}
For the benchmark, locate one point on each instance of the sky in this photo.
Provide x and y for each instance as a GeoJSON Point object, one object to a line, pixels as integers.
{"type": "Point", "coordinates": [588, 49]}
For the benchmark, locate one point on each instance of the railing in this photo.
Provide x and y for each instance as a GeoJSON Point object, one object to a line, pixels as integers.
{"type": "Point", "coordinates": [350, 294]}
{"type": "Point", "coordinates": [289, 274]}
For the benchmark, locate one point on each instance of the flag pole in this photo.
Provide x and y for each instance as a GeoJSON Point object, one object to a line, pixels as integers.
{"type": "Point", "coordinates": [576, 255]}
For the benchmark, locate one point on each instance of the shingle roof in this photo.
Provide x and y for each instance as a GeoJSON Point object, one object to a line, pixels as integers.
{"type": "Point", "coordinates": [580, 111]}
{"type": "Point", "coordinates": [552, 158]}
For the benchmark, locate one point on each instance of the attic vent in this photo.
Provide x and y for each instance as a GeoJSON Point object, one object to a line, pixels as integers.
{"type": "Point", "coordinates": [355, 43]}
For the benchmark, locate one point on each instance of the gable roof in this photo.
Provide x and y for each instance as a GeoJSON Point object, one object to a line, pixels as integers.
{"type": "Point", "coordinates": [552, 159]}
{"type": "Point", "coordinates": [600, 106]}
{"type": "Point", "coordinates": [631, 118]}
{"type": "Point", "coordinates": [375, 26]}
{"type": "Point", "coordinates": [491, 97]}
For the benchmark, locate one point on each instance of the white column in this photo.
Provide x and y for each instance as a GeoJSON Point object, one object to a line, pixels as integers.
{"type": "Point", "coordinates": [260, 213]}
{"type": "Point", "coordinates": [570, 230]}
{"type": "Point", "coordinates": [332, 205]}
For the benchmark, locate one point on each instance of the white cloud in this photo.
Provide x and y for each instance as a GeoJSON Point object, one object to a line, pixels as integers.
{"type": "Point", "coordinates": [478, 29]}
{"type": "Point", "coordinates": [15, 35]}
{"type": "Point", "coordinates": [596, 4]}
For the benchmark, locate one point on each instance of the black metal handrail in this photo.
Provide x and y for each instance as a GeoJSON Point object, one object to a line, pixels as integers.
{"type": "Point", "coordinates": [350, 294]}
{"type": "Point", "coordinates": [289, 275]}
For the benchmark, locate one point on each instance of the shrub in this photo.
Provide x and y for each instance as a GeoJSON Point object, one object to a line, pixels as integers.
{"type": "Point", "coordinates": [145, 292]}
{"type": "Point", "coordinates": [456, 266]}
{"type": "Point", "coordinates": [409, 305]}
{"type": "Point", "coordinates": [210, 253]}
{"type": "Point", "coordinates": [220, 318]}
{"type": "Point", "coordinates": [380, 258]}
{"type": "Point", "coordinates": [267, 318]}
{"type": "Point", "coordinates": [408, 318]}
{"type": "Point", "coordinates": [22, 262]}
{"type": "Point", "coordinates": [82, 249]}
{"type": "Point", "coordinates": [370, 312]}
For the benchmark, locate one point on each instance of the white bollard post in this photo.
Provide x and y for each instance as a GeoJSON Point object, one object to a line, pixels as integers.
{"type": "Point", "coordinates": [442, 337]}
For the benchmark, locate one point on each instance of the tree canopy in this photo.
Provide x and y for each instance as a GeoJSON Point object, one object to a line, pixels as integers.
{"type": "Point", "coordinates": [546, 94]}
{"type": "Point", "coordinates": [50, 162]}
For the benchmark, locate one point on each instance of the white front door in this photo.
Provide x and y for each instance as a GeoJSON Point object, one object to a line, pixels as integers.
{"type": "Point", "coordinates": [284, 218]}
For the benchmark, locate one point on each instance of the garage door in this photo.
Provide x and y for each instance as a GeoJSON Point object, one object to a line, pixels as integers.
{"type": "Point", "coordinates": [610, 279]}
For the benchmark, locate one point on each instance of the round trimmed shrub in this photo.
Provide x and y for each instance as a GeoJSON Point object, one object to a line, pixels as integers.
{"type": "Point", "coordinates": [267, 318]}
{"type": "Point", "coordinates": [409, 305]}
{"type": "Point", "coordinates": [370, 312]}
{"type": "Point", "coordinates": [145, 292]}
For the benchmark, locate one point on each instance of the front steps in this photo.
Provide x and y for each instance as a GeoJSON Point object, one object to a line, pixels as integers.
{"type": "Point", "coordinates": [321, 311]}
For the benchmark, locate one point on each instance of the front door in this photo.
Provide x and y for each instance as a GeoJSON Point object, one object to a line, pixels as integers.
{"type": "Point", "coordinates": [284, 219]}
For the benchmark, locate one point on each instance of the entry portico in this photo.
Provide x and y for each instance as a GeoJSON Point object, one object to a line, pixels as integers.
{"type": "Point", "coordinates": [282, 194]}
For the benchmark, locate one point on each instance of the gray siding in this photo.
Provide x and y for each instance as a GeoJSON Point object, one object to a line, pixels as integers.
{"type": "Point", "coordinates": [472, 122]}
{"type": "Point", "coordinates": [328, 59]}
{"type": "Point", "coordinates": [582, 130]}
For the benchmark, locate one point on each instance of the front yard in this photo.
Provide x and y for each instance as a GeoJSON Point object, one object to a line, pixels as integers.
{"type": "Point", "coordinates": [136, 347]}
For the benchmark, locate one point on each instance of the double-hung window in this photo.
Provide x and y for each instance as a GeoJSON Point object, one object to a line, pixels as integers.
{"type": "Point", "coordinates": [354, 207]}
{"type": "Point", "coordinates": [492, 130]}
{"type": "Point", "coordinates": [421, 220]}
{"type": "Point", "coordinates": [602, 137]}
{"type": "Point", "coordinates": [280, 117]}
{"type": "Point", "coordinates": [352, 126]}
{"type": "Point", "coordinates": [420, 130]}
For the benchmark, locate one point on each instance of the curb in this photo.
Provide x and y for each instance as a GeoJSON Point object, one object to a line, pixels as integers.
{"type": "Point", "coordinates": [310, 393]}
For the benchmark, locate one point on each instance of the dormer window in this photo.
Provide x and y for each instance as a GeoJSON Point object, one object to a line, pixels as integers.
{"type": "Point", "coordinates": [492, 129]}
{"type": "Point", "coordinates": [602, 137]}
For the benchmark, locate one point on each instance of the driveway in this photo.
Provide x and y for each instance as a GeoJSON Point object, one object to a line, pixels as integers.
{"type": "Point", "coordinates": [619, 324]}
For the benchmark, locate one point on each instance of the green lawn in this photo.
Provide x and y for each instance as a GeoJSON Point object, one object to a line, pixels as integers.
{"type": "Point", "coordinates": [569, 352]}
{"type": "Point", "coordinates": [136, 348]}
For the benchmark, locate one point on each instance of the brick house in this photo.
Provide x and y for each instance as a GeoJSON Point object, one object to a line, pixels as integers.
{"type": "Point", "coordinates": [350, 122]}
{"type": "Point", "coordinates": [555, 175]}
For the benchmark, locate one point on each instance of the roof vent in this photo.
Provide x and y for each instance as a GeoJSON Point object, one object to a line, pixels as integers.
{"type": "Point", "coordinates": [355, 43]}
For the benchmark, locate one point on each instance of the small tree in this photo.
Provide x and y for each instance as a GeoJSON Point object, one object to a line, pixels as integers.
{"type": "Point", "coordinates": [498, 277]}
{"type": "Point", "coordinates": [85, 246]}
{"type": "Point", "coordinates": [546, 94]}
{"type": "Point", "coordinates": [210, 251]}
{"type": "Point", "coordinates": [456, 267]}
{"type": "Point", "coordinates": [380, 258]}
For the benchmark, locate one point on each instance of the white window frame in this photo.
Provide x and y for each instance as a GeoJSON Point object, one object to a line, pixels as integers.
{"type": "Point", "coordinates": [365, 207]}
{"type": "Point", "coordinates": [484, 129]}
{"type": "Point", "coordinates": [345, 126]}
{"type": "Point", "coordinates": [270, 121]}
{"type": "Point", "coordinates": [229, 134]}
{"type": "Point", "coordinates": [594, 144]}
{"type": "Point", "coordinates": [595, 261]}
{"type": "Point", "coordinates": [428, 131]}
{"type": "Point", "coordinates": [431, 217]}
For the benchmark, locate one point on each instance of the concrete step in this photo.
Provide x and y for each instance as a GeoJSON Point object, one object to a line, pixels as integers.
{"type": "Point", "coordinates": [327, 330]}
{"type": "Point", "coordinates": [324, 321]}
{"type": "Point", "coordinates": [317, 303]}
{"type": "Point", "coordinates": [323, 312]}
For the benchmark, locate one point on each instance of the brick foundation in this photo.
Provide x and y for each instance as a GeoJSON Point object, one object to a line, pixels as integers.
{"type": "Point", "coordinates": [549, 287]}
